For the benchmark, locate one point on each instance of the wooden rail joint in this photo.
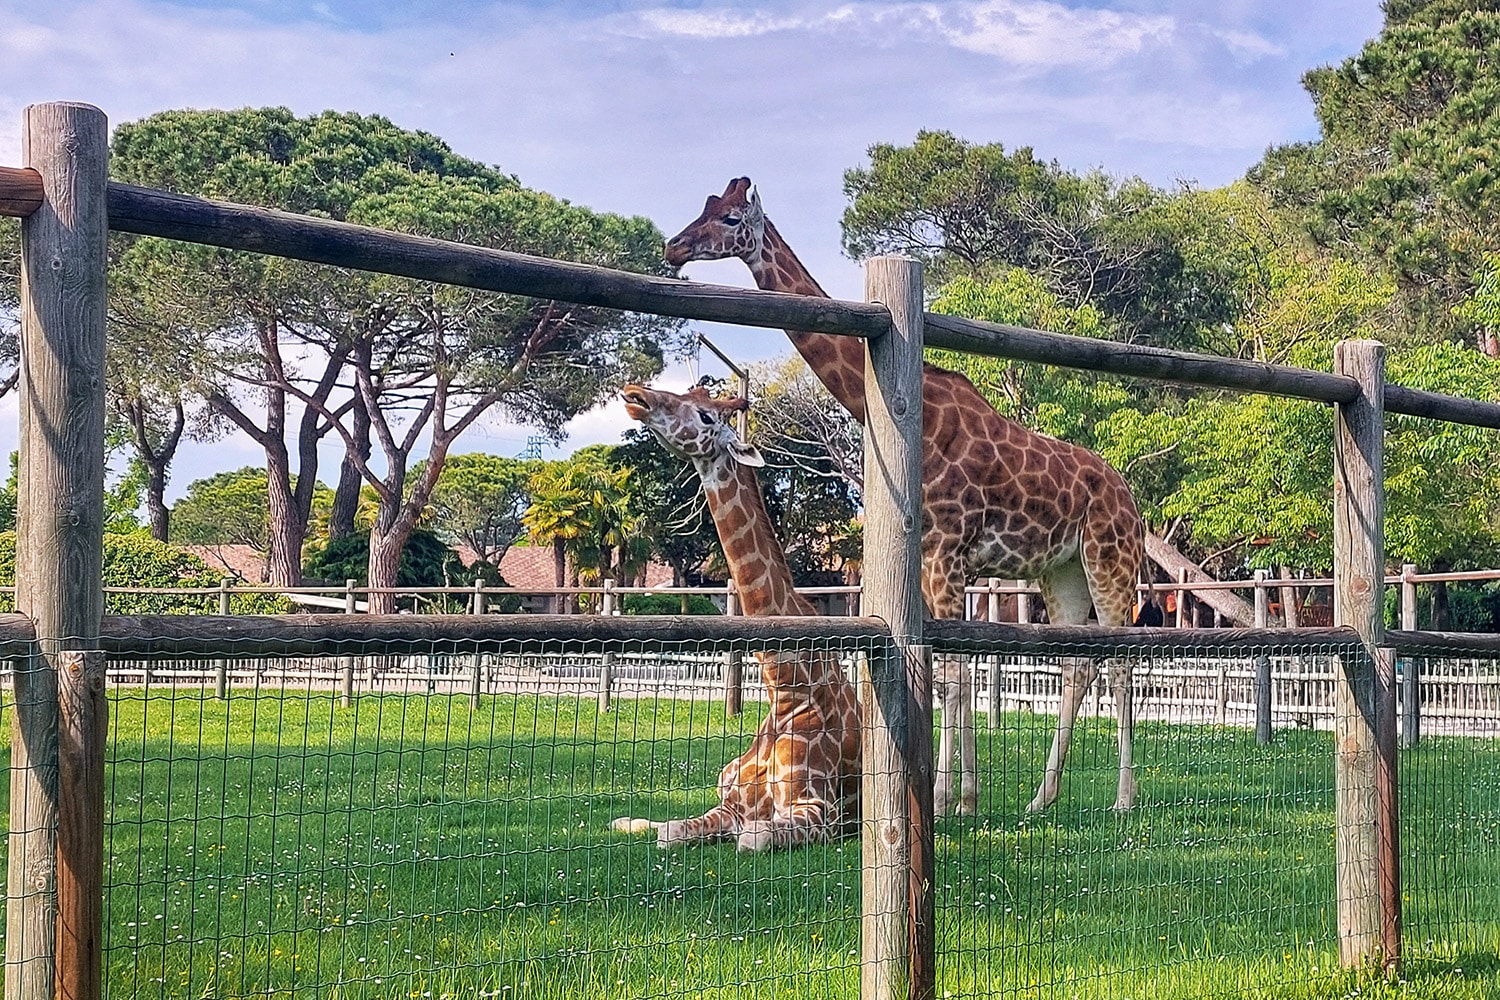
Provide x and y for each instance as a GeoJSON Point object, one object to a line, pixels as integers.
{"type": "Point", "coordinates": [20, 191]}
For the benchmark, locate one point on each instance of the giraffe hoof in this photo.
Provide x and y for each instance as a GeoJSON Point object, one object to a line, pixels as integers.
{"type": "Point", "coordinates": [754, 836]}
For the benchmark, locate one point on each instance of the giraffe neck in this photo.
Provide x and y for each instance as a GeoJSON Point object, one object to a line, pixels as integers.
{"type": "Point", "coordinates": [839, 362]}
{"type": "Point", "coordinates": [757, 560]}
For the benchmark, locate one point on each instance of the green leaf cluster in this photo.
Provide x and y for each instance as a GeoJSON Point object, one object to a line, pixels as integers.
{"type": "Point", "coordinates": [137, 560]}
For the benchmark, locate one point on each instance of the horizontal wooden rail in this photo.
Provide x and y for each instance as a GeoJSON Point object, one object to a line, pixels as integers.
{"type": "Point", "coordinates": [998, 340]}
{"type": "Point", "coordinates": [148, 212]}
{"type": "Point", "coordinates": [323, 241]}
{"type": "Point", "coordinates": [304, 635]}
{"type": "Point", "coordinates": [1020, 344]}
{"type": "Point", "coordinates": [950, 635]}
{"type": "Point", "coordinates": [20, 191]}
{"type": "Point", "coordinates": [1412, 643]}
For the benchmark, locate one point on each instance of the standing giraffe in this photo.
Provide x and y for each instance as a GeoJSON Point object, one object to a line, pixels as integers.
{"type": "Point", "coordinates": [799, 780]}
{"type": "Point", "coordinates": [997, 500]}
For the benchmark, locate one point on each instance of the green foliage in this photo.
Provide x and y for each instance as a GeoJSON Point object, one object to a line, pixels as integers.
{"type": "Point", "coordinates": [977, 210]}
{"type": "Point", "coordinates": [667, 604]}
{"type": "Point", "coordinates": [585, 503]}
{"type": "Point", "coordinates": [1407, 167]}
{"type": "Point", "coordinates": [478, 501]}
{"type": "Point", "coordinates": [137, 560]}
{"type": "Point", "coordinates": [425, 561]}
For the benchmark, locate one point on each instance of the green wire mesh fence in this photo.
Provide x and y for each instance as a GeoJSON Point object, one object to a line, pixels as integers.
{"type": "Point", "coordinates": [448, 831]}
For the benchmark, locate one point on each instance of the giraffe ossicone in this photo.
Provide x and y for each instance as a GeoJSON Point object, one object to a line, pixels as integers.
{"type": "Point", "coordinates": [798, 781]}
{"type": "Point", "coordinates": [997, 500]}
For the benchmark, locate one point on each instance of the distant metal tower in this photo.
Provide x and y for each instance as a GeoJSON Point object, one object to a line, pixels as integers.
{"type": "Point", "coordinates": [534, 444]}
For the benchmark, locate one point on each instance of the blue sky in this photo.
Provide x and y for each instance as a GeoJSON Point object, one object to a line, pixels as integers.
{"type": "Point", "coordinates": [646, 107]}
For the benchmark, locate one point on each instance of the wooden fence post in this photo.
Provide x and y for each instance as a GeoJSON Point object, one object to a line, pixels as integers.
{"type": "Point", "coordinates": [1262, 664]}
{"type": "Point", "coordinates": [606, 681]}
{"type": "Point", "coordinates": [734, 683]}
{"type": "Point", "coordinates": [346, 662]}
{"type": "Point", "coordinates": [1411, 672]}
{"type": "Point", "coordinates": [1181, 593]}
{"type": "Point", "coordinates": [897, 912]}
{"type": "Point", "coordinates": [53, 942]}
{"type": "Point", "coordinates": [221, 668]}
{"type": "Point", "coordinates": [1368, 872]}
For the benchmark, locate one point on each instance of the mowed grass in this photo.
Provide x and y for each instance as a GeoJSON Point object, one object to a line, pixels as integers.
{"type": "Point", "coordinates": [280, 845]}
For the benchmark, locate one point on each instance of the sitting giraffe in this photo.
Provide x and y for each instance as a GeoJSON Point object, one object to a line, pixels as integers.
{"type": "Point", "coordinates": [799, 780]}
{"type": "Point", "coordinates": [997, 500]}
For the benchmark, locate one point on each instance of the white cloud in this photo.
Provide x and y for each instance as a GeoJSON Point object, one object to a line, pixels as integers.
{"type": "Point", "coordinates": [1022, 33]}
{"type": "Point", "coordinates": [1248, 46]}
{"type": "Point", "coordinates": [716, 24]}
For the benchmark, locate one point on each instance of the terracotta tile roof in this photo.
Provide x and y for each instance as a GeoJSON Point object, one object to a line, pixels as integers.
{"type": "Point", "coordinates": [526, 566]}
{"type": "Point", "coordinates": [242, 561]}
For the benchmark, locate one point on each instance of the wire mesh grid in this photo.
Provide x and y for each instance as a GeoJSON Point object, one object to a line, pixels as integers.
{"type": "Point", "coordinates": [1450, 813]}
{"type": "Point", "coordinates": [448, 833]}
{"type": "Point", "coordinates": [1219, 882]}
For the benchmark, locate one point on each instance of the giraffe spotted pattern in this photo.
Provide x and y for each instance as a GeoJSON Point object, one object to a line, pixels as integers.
{"type": "Point", "coordinates": [798, 782]}
{"type": "Point", "coordinates": [997, 500]}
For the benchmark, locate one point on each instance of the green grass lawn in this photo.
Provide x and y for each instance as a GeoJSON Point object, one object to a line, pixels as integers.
{"type": "Point", "coordinates": [279, 845]}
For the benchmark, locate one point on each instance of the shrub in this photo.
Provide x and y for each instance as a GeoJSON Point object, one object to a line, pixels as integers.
{"type": "Point", "coordinates": [667, 604]}
{"type": "Point", "coordinates": [141, 561]}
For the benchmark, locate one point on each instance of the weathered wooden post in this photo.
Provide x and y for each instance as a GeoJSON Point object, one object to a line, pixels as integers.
{"type": "Point", "coordinates": [1181, 594]}
{"type": "Point", "coordinates": [221, 671]}
{"type": "Point", "coordinates": [1411, 672]}
{"type": "Point", "coordinates": [993, 676]}
{"type": "Point", "coordinates": [606, 681]}
{"type": "Point", "coordinates": [897, 925]}
{"type": "Point", "coordinates": [1366, 850]}
{"type": "Point", "coordinates": [734, 684]}
{"type": "Point", "coordinates": [55, 895]}
{"type": "Point", "coordinates": [346, 662]}
{"type": "Point", "coordinates": [1262, 664]}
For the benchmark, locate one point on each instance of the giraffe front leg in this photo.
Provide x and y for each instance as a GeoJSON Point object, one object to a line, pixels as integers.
{"type": "Point", "coordinates": [968, 764]}
{"type": "Point", "coordinates": [1078, 676]}
{"type": "Point", "coordinates": [1125, 717]}
{"type": "Point", "coordinates": [943, 590]}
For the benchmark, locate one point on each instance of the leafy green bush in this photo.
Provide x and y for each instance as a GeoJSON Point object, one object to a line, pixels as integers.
{"type": "Point", "coordinates": [141, 561]}
{"type": "Point", "coordinates": [425, 562]}
{"type": "Point", "coordinates": [667, 604]}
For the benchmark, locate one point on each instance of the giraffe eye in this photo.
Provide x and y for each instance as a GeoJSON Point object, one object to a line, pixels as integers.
{"type": "Point", "coordinates": [731, 220]}
{"type": "Point", "coordinates": [705, 416]}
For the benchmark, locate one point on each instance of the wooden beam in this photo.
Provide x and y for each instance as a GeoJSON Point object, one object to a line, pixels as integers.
{"type": "Point", "coordinates": [897, 926]}
{"type": "Point", "coordinates": [284, 234]}
{"type": "Point", "coordinates": [1183, 367]}
{"type": "Point", "coordinates": [83, 733]}
{"type": "Point", "coordinates": [1363, 777]}
{"type": "Point", "coordinates": [199, 636]}
{"type": "Point", "coordinates": [1084, 640]}
{"type": "Point", "coordinates": [59, 546]}
{"type": "Point", "coordinates": [20, 191]}
{"type": "Point", "coordinates": [1165, 555]}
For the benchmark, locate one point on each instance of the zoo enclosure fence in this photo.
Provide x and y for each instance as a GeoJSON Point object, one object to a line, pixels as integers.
{"type": "Point", "coordinates": [54, 913]}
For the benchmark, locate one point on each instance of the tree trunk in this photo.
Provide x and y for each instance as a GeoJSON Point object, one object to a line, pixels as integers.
{"type": "Point", "coordinates": [157, 512]}
{"type": "Point", "coordinates": [346, 496]}
{"type": "Point", "coordinates": [560, 574]}
{"type": "Point", "coordinates": [1167, 556]}
{"type": "Point", "coordinates": [1289, 600]}
{"type": "Point", "coordinates": [385, 562]}
{"type": "Point", "coordinates": [288, 525]}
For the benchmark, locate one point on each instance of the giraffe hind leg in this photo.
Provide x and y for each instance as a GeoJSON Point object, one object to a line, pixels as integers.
{"type": "Point", "coordinates": [1065, 591]}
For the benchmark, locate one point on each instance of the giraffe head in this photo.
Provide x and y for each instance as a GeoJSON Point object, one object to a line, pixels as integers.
{"type": "Point", "coordinates": [732, 225]}
{"type": "Point", "coordinates": [693, 425]}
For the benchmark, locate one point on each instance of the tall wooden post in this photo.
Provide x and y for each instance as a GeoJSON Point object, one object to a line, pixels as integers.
{"type": "Point", "coordinates": [897, 926]}
{"type": "Point", "coordinates": [346, 662]}
{"type": "Point", "coordinates": [1262, 664]}
{"type": "Point", "coordinates": [734, 684]}
{"type": "Point", "coordinates": [1368, 871]}
{"type": "Point", "coordinates": [57, 747]}
{"type": "Point", "coordinates": [1411, 677]}
{"type": "Point", "coordinates": [221, 667]}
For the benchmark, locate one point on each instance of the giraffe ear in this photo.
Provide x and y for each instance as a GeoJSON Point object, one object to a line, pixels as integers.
{"type": "Point", "coordinates": [753, 211]}
{"type": "Point", "coordinates": [747, 454]}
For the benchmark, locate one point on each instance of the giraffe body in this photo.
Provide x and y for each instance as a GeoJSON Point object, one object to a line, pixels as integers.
{"type": "Point", "coordinates": [997, 500]}
{"type": "Point", "coordinates": [798, 781]}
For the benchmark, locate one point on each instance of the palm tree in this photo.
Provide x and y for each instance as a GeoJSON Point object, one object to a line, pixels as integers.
{"type": "Point", "coordinates": [582, 507]}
